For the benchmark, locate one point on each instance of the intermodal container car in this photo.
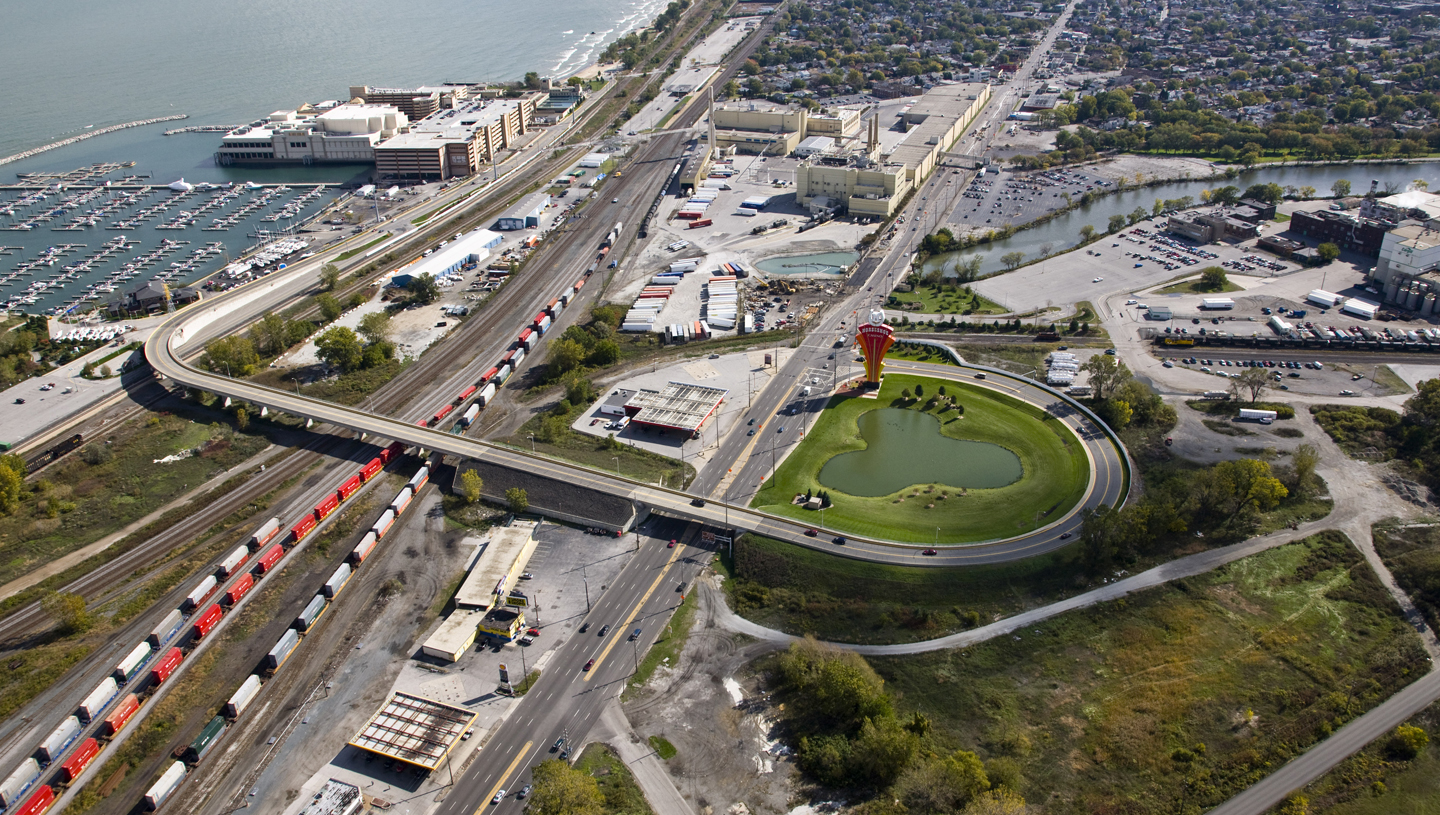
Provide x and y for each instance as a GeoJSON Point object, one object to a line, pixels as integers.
{"type": "Point", "coordinates": [337, 581]}
{"type": "Point", "coordinates": [93, 704]}
{"type": "Point", "coordinates": [165, 787]}
{"type": "Point", "coordinates": [524, 340]}
{"type": "Point", "coordinates": [553, 307]}
{"type": "Point", "coordinates": [486, 394]}
{"type": "Point", "coordinates": [541, 322]}
{"type": "Point", "coordinates": [123, 712]}
{"type": "Point", "coordinates": [382, 526]}
{"type": "Point", "coordinates": [282, 650]}
{"type": "Point", "coordinates": [419, 479]}
{"type": "Point", "coordinates": [200, 593]}
{"type": "Point", "coordinates": [242, 697]}
{"type": "Point", "coordinates": [238, 589]}
{"type": "Point", "coordinates": [233, 560]}
{"type": "Point", "coordinates": [207, 620]}
{"type": "Point", "coordinates": [303, 528]}
{"type": "Point", "coordinates": [349, 487]}
{"type": "Point", "coordinates": [466, 394]}
{"type": "Point", "coordinates": [19, 782]}
{"type": "Point", "coordinates": [166, 665]}
{"type": "Point", "coordinates": [311, 613]}
{"type": "Point", "coordinates": [209, 736]}
{"type": "Point", "coordinates": [39, 802]}
{"type": "Point", "coordinates": [402, 500]}
{"type": "Point", "coordinates": [62, 737]}
{"type": "Point", "coordinates": [71, 768]}
{"type": "Point", "coordinates": [126, 669]}
{"type": "Point", "coordinates": [441, 413]}
{"type": "Point", "coordinates": [167, 628]}
{"type": "Point", "coordinates": [264, 534]}
{"type": "Point", "coordinates": [268, 560]}
{"type": "Point", "coordinates": [324, 508]}
{"type": "Point", "coordinates": [394, 451]}
{"type": "Point", "coordinates": [489, 375]}
{"type": "Point", "coordinates": [375, 465]}
{"type": "Point", "coordinates": [579, 284]}
{"type": "Point", "coordinates": [364, 548]}
{"type": "Point", "coordinates": [470, 415]}
{"type": "Point", "coordinates": [422, 422]}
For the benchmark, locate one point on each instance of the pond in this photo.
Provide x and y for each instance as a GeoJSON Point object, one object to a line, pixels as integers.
{"type": "Point", "coordinates": [906, 447]}
{"type": "Point", "coordinates": [832, 263]}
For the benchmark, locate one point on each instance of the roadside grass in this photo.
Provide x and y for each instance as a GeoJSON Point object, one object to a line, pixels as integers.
{"type": "Point", "coordinates": [346, 255]}
{"type": "Point", "coordinates": [1413, 556]}
{"type": "Point", "coordinates": [345, 389]}
{"type": "Point", "coordinates": [1179, 697]}
{"type": "Point", "coordinates": [667, 648]}
{"type": "Point", "coordinates": [1362, 432]}
{"type": "Point", "coordinates": [580, 448]}
{"type": "Point", "coordinates": [73, 503]}
{"type": "Point", "coordinates": [1380, 780]}
{"type": "Point", "coordinates": [1017, 358]}
{"type": "Point", "coordinates": [1390, 382]}
{"type": "Point", "coordinates": [912, 352]}
{"type": "Point", "coordinates": [944, 299]}
{"type": "Point", "coordinates": [523, 686]}
{"type": "Point", "coordinates": [1056, 470]}
{"type": "Point", "coordinates": [1195, 286]}
{"type": "Point", "coordinates": [663, 748]}
{"type": "Point", "coordinates": [623, 795]}
{"type": "Point", "coordinates": [1225, 428]}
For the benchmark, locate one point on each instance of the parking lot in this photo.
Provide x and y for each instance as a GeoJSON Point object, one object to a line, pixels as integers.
{"type": "Point", "coordinates": [1309, 376]}
{"type": "Point", "coordinates": [994, 200]}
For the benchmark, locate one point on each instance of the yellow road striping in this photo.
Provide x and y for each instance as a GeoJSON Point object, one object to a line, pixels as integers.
{"type": "Point", "coordinates": [615, 639]}
{"type": "Point", "coordinates": [520, 756]}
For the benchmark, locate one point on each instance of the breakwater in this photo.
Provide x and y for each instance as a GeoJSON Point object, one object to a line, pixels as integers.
{"type": "Point", "coordinates": [89, 135]}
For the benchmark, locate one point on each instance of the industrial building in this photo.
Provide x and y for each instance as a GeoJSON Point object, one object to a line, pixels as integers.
{"type": "Point", "coordinates": [327, 133]}
{"type": "Point", "coordinates": [1347, 231]}
{"type": "Point", "coordinates": [1415, 205]}
{"type": "Point", "coordinates": [864, 182]}
{"type": "Point", "coordinates": [1216, 225]}
{"type": "Point", "coordinates": [414, 730]}
{"type": "Point", "coordinates": [680, 406]}
{"type": "Point", "coordinates": [456, 141]}
{"type": "Point", "coordinates": [470, 248]}
{"type": "Point", "coordinates": [765, 127]}
{"type": "Point", "coordinates": [524, 215]}
{"type": "Point", "coordinates": [1408, 272]}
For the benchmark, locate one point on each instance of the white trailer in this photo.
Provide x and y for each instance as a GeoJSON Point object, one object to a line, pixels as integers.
{"type": "Point", "coordinates": [1361, 308]}
{"type": "Point", "coordinates": [1324, 299]}
{"type": "Point", "coordinates": [165, 787]}
{"type": "Point", "coordinates": [242, 697]}
{"type": "Point", "coordinates": [1261, 416]}
{"type": "Point", "coordinates": [1217, 303]}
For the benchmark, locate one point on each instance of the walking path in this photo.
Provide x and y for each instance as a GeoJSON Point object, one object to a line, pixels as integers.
{"type": "Point", "coordinates": [614, 729]}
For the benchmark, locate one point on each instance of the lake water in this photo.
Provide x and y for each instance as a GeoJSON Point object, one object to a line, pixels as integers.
{"type": "Point", "coordinates": [905, 447]}
{"type": "Point", "coordinates": [1063, 232]}
{"type": "Point", "coordinates": [832, 263]}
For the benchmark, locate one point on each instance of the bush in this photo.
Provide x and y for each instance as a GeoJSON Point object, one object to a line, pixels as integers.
{"type": "Point", "coordinates": [96, 454]}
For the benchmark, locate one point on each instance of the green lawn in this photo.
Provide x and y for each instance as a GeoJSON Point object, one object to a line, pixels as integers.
{"type": "Point", "coordinates": [350, 253]}
{"type": "Point", "coordinates": [1056, 470]}
{"type": "Point", "coordinates": [945, 299]}
{"type": "Point", "coordinates": [1177, 698]}
{"type": "Point", "coordinates": [1194, 286]}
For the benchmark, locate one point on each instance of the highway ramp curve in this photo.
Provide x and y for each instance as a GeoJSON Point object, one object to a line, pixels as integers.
{"type": "Point", "coordinates": [189, 328]}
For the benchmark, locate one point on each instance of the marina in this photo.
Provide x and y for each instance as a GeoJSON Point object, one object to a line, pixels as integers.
{"type": "Point", "coordinates": [160, 236]}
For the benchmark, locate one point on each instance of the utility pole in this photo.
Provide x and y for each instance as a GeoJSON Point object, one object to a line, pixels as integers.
{"type": "Point", "coordinates": [586, 577]}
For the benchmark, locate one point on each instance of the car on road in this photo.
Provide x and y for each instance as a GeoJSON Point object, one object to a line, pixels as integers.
{"type": "Point", "coordinates": [930, 552]}
{"type": "Point", "coordinates": [584, 627]}
{"type": "Point", "coordinates": [589, 665]}
{"type": "Point", "coordinates": [524, 792]}
{"type": "Point", "coordinates": [1097, 280]}
{"type": "Point", "coordinates": [559, 744]}
{"type": "Point", "coordinates": [781, 430]}
{"type": "Point", "coordinates": [534, 632]}
{"type": "Point", "coordinates": [635, 635]}
{"type": "Point", "coordinates": [838, 540]}
{"type": "Point", "coordinates": [604, 629]}
{"type": "Point", "coordinates": [810, 533]}
{"type": "Point", "coordinates": [19, 401]}
{"type": "Point", "coordinates": [499, 796]}
{"type": "Point", "coordinates": [1347, 393]}
{"type": "Point", "coordinates": [1065, 536]}
{"type": "Point", "coordinates": [671, 544]}
{"type": "Point", "coordinates": [750, 432]}
{"type": "Point", "coordinates": [697, 502]}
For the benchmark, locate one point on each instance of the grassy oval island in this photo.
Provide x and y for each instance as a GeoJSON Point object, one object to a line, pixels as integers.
{"type": "Point", "coordinates": [933, 478]}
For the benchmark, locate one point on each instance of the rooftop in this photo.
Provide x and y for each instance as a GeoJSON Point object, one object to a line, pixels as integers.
{"type": "Point", "coordinates": [453, 125]}
{"type": "Point", "coordinates": [505, 553]}
{"type": "Point", "coordinates": [335, 798]}
{"type": "Point", "coordinates": [680, 405]}
{"type": "Point", "coordinates": [414, 730]}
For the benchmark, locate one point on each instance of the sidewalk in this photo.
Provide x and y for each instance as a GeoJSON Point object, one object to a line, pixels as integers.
{"type": "Point", "coordinates": [649, 771]}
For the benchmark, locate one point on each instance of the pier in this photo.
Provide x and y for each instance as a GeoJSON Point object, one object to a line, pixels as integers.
{"type": "Point", "coordinates": [202, 129]}
{"type": "Point", "coordinates": [90, 135]}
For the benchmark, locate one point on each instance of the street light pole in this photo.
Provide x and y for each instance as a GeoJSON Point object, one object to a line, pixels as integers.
{"type": "Point", "coordinates": [532, 442]}
{"type": "Point", "coordinates": [617, 464]}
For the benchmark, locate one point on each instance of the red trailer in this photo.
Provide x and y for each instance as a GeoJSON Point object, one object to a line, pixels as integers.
{"type": "Point", "coordinates": [167, 665]}
{"type": "Point", "coordinates": [701, 222]}
{"type": "Point", "coordinates": [122, 714]}
{"type": "Point", "coordinates": [39, 802]}
{"type": "Point", "coordinates": [349, 487]}
{"type": "Point", "coordinates": [305, 527]}
{"type": "Point", "coordinates": [489, 375]}
{"type": "Point", "coordinates": [466, 394]}
{"type": "Point", "coordinates": [79, 760]}
{"type": "Point", "coordinates": [327, 506]}
{"type": "Point", "coordinates": [394, 451]}
{"type": "Point", "coordinates": [241, 588]}
{"type": "Point", "coordinates": [376, 465]}
{"type": "Point", "coordinates": [272, 556]}
{"type": "Point", "coordinates": [441, 413]}
{"type": "Point", "coordinates": [205, 623]}
{"type": "Point", "coordinates": [423, 423]}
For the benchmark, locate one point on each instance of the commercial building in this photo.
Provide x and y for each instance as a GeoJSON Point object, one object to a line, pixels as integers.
{"type": "Point", "coordinates": [414, 730]}
{"type": "Point", "coordinates": [1351, 233]}
{"type": "Point", "coordinates": [328, 133]}
{"type": "Point", "coordinates": [867, 183]}
{"type": "Point", "coordinates": [417, 103]}
{"type": "Point", "coordinates": [457, 141]}
{"type": "Point", "coordinates": [496, 573]}
{"type": "Point", "coordinates": [525, 215]}
{"type": "Point", "coordinates": [335, 798]}
{"type": "Point", "coordinates": [1217, 225]}
{"type": "Point", "coordinates": [1415, 205]}
{"type": "Point", "coordinates": [454, 636]}
{"type": "Point", "coordinates": [680, 406]}
{"type": "Point", "coordinates": [765, 127]}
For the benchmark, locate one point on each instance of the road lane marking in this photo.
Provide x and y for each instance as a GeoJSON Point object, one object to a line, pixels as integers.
{"type": "Point", "coordinates": [520, 756]}
{"type": "Point", "coordinates": [615, 639]}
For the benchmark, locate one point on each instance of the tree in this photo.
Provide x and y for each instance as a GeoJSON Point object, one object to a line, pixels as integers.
{"type": "Point", "coordinates": [574, 82]}
{"type": "Point", "coordinates": [565, 356]}
{"type": "Point", "coordinates": [12, 482]}
{"type": "Point", "coordinates": [470, 486]}
{"type": "Point", "coordinates": [68, 611]}
{"type": "Point", "coordinates": [1087, 233]}
{"type": "Point", "coordinates": [1327, 252]}
{"type": "Point", "coordinates": [1269, 193]}
{"type": "Point", "coordinates": [423, 289]}
{"type": "Point", "coordinates": [340, 348]}
{"type": "Point", "coordinates": [330, 308]}
{"type": "Point", "coordinates": [731, 89]}
{"type": "Point", "coordinates": [330, 276]}
{"type": "Point", "coordinates": [1213, 278]}
{"type": "Point", "coordinates": [563, 790]}
{"type": "Point", "coordinates": [1254, 381]}
{"type": "Point", "coordinates": [1407, 741]}
{"type": "Point", "coordinates": [1012, 260]}
{"type": "Point", "coordinates": [1001, 801]}
{"type": "Point", "coordinates": [1137, 215]}
{"type": "Point", "coordinates": [271, 335]}
{"type": "Point", "coordinates": [375, 327]}
{"type": "Point", "coordinates": [1420, 184]}
{"type": "Point", "coordinates": [1117, 223]}
{"type": "Point", "coordinates": [943, 783]}
{"type": "Point", "coordinates": [605, 352]}
{"type": "Point", "coordinates": [1106, 373]}
{"type": "Point", "coordinates": [532, 81]}
{"type": "Point", "coordinates": [1307, 192]}
{"type": "Point", "coordinates": [518, 499]}
{"type": "Point", "coordinates": [1304, 461]}
{"type": "Point", "coordinates": [242, 419]}
{"type": "Point", "coordinates": [232, 356]}
{"type": "Point", "coordinates": [1341, 188]}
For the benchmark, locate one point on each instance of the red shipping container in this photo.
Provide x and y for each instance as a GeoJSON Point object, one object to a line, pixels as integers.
{"type": "Point", "coordinates": [39, 802]}
{"type": "Point", "coordinates": [466, 394]}
{"type": "Point", "coordinates": [489, 375]}
{"type": "Point", "coordinates": [240, 588]}
{"type": "Point", "coordinates": [122, 714]}
{"type": "Point", "coordinates": [579, 284]}
{"type": "Point", "coordinates": [441, 413]}
{"type": "Point", "coordinates": [423, 423]}
{"type": "Point", "coordinates": [369, 470]}
{"type": "Point", "coordinates": [348, 488]}
{"type": "Point", "coordinates": [166, 666]}
{"type": "Point", "coordinates": [300, 530]}
{"type": "Point", "coordinates": [205, 623]}
{"type": "Point", "coordinates": [394, 451]}
{"type": "Point", "coordinates": [271, 557]}
{"type": "Point", "coordinates": [324, 508]}
{"type": "Point", "coordinates": [79, 760]}
{"type": "Point", "coordinates": [700, 223]}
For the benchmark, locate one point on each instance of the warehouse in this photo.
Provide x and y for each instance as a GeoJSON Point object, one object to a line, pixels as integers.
{"type": "Point", "coordinates": [472, 248]}
{"type": "Point", "coordinates": [679, 406]}
{"type": "Point", "coordinates": [525, 215]}
{"type": "Point", "coordinates": [499, 567]}
{"type": "Point", "coordinates": [414, 730]}
{"type": "Point", "coordinates": [454, 636]}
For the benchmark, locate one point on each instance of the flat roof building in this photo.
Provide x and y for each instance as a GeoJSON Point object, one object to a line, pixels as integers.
{"type": "Point", "coordinates": [414, 730]}
{"type": "Point", "coordinates": [312, 135]}
{"type": "Point", "coordinates": [457, 141]}
{"type": "Point", "coordinates": [680, 406]}
{"type": "Point", "coordinates": [335, 798]}
{"type": "Point", "coordinates": [499, 567]}
{"type": "Point", "coordinates": [454, 636]}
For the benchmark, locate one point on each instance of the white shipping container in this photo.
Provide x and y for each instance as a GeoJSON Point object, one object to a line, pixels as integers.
{"type": "Point", "coordinates": [98, 699]}
{"type": "Point", "coordinates": [242, 697]}
{"type": "Point", "coordinates": [470, 414]}
{"type": "Point", "coordinates": [402, 500]}
{"type": "Point", "coordinates": [282, 648]}
{"type": "Point", "coordinates": [166, 629]}
{"type": "Point", "coordinates": [126, 667]}
{"type": "Point", "coordinates": [486, 393]}
{"type": "Point", "coordinates": [15, 787]}
{"type": "Point", "coordinates": [198, 595]}
{"type": "Point", "coordinates": [265, 532]}
{"type": "Point", "coordinates": [166, 786]}
{"type": "Point", "coordinates": [684, 265]}
{"type": "Point", "coordinates": [55, 744]}
{"type": "Point", "coordinates": [337, 581]}
{"type": "Point", "coordinates": [424, 472]}
{"type": "Point", "coordinates": [235, 558]}
{"type": "Point", "coordinates": [382, 526]}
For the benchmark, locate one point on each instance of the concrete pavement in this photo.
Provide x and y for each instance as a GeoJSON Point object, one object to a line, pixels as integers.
{"type": "Point", "coordinates": [649, 770]}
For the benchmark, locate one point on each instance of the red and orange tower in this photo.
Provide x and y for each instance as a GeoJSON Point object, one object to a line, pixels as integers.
{"type": "Point", "coordinates": [875, 338]}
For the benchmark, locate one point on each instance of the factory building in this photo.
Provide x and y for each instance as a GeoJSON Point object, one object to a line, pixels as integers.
{"type": "Point", "coordinates": [524, 215]}
{"type": "Point", "coordinates": [864, 182]}
{"type": "Point", "coordinates": [313, 134]}
{"type": "Point", "coordinates": [457, 141]}
{"type": "Point", "coordinates": [764, 127]}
